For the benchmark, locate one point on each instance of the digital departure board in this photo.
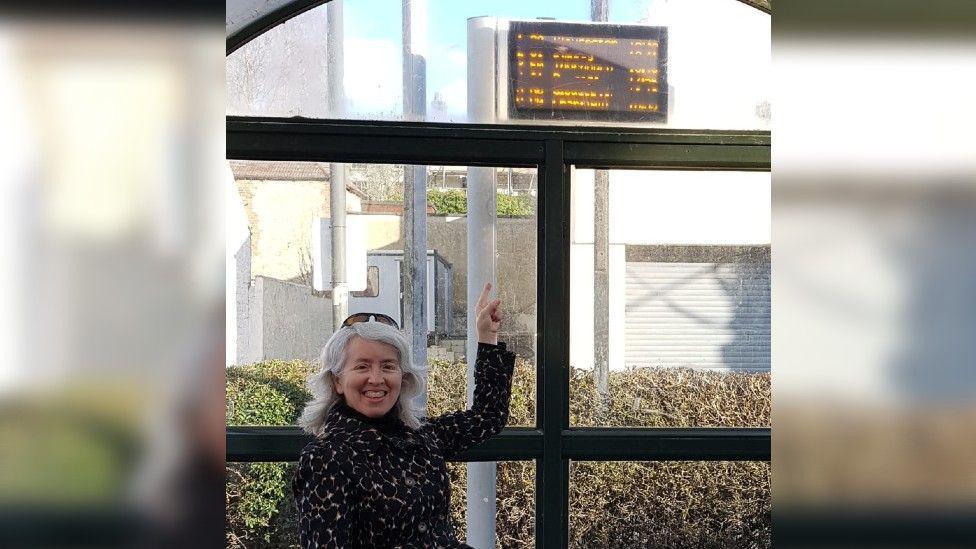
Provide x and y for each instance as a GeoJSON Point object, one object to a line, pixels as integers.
{"type": "Point", "coordinates": [576, 71]}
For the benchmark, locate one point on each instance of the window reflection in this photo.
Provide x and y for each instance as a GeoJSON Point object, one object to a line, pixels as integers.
{"type": "Point", "coordinates": [695, 64]}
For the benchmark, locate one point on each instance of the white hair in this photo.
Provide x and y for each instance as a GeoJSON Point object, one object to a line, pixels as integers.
{"type": "Point", "coordinates": [333, 357]}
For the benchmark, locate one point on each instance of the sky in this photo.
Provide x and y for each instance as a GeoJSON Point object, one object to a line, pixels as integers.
{"type": "Point", "coordinates": [376, 22]}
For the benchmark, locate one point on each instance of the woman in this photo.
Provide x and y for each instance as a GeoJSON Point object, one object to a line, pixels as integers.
{"type": "Point", "coordinates": [375, 475]}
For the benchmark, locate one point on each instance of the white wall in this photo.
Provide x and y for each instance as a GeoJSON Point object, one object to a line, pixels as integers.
{"type": "Point", "coordinates": [704, 208]}
{"type": "Point", "coordinates": [655, 207]}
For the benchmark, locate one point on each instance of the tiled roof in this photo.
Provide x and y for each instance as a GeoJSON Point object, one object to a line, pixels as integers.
{"type": "Point", "coordinates": [279, 171]}
{"type": "Point", "coordinates": [258, 170]}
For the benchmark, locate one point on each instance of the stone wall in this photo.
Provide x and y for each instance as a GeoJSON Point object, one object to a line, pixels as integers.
{"type": "Point", "coordinates": [279, 215]}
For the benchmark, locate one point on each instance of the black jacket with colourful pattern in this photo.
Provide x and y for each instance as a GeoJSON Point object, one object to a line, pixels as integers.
{"type": "Point", "coordinates": [376, 483]}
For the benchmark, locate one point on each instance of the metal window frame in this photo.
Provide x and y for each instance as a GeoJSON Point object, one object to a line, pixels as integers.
{"type": "Point", "coordinates": [553, 443]}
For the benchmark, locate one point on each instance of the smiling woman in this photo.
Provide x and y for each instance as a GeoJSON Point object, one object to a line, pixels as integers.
{"type": "Point", "coordinates": [376, 474]}
{"type": "Point", "coordinates": [359, 359]}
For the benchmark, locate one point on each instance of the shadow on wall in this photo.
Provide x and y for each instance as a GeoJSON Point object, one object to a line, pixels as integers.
{"type": "Point", "coordinates": [699, 306]}
{"type": "Point", "coordinates": [748, 291]}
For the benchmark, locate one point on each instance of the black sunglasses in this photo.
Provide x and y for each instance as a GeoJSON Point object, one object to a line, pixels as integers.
{"type": "Point", "coordinates": [356, 318]}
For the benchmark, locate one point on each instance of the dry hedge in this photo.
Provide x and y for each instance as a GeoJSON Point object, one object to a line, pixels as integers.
{"type": "Point", "coordinates": [612, 504]}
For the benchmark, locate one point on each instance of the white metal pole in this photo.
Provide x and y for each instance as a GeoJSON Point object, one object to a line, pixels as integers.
{"type": "Point", "coordinates": [337, 174]}
{"type": "Point", "coordinates": [415, 317]}
{"type": "Point", "coordinates": [600, 11]}
{"type": "Point", "coordinates": [481, 259]}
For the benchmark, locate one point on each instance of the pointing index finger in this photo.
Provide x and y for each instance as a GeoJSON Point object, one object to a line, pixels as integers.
{"type": "Point", "coordinates": [483, 300]}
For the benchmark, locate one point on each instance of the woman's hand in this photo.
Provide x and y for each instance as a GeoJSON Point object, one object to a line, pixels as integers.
{"type": "Point", "coordinates": [488, 317]}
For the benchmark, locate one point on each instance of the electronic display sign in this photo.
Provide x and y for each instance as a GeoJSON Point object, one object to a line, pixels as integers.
{"type": "Point", "coordinates": [576, 71]}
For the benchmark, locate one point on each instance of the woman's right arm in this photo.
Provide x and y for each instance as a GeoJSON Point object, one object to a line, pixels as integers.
{"type": "Point", "coordinates": [323, 494]}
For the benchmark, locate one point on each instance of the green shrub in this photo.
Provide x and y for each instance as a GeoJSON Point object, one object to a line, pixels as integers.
{"type": "Point", "coordinates": [448, 201]}
{"type": "Point", "coordinates": [513, 205]}
{"type": "Point", "coordinates": [612, 504]}
{"type": "Point", "coordinates": [455, 202]}
{"type": "Point", "coordinates": [260, 511]}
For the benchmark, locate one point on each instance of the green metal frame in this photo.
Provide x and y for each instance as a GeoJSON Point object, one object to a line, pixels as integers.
{"type": "Point", "coordinates": [553, 443]}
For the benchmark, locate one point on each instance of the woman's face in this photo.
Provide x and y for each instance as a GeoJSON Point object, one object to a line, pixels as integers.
{"type": "Point", "coordinates": [370, 378]}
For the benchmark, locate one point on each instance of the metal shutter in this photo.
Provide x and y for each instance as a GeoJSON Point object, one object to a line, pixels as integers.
{"type": "Point", "coordinates": [699, 315]}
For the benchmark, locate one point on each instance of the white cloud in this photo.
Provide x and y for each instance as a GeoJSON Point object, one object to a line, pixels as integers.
{"type": "Point", "coordinates": [373, 77]}
{"type": "Point", "coordinates": [455, 96]}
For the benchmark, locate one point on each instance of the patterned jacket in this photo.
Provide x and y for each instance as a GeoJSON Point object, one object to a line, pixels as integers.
{"type": "Point", "coordinates": [376, 483]}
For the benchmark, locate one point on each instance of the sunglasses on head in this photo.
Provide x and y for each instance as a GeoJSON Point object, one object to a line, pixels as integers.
{"type": "Point", "coordinates": [366, 317]}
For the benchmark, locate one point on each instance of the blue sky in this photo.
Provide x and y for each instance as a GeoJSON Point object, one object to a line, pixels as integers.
{"type": "Point", "coordinates": [380, 20]}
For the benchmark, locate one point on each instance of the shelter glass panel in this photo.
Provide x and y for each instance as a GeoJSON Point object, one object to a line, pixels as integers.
{"type": "Point", "coordinates": [514, 502]}
{"type": "Point", "coordinates": [283, 277]}
{"type": "Point", "coordinates": [670, 299]}
{"type": "Point", "coordinates": [700, 64]}
{"type": "Point", "coordinates": [679, 504]}
{"type": "Point", "coordinates": [261, 510]}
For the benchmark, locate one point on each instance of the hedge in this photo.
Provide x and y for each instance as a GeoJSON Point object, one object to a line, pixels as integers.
{"type": "Point", "coordinates": [455, 202]}
{"type": "Point", "coordinates": [612, 504]}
